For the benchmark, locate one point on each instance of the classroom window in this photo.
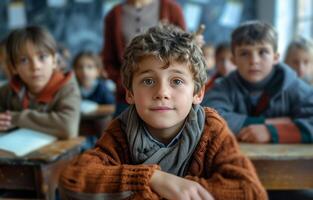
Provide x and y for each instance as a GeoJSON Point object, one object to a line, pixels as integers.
{"type": "Point", "coordinates": [304, 18]}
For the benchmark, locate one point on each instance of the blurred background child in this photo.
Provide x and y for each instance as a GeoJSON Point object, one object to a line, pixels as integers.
{"type": "Point", "coordinates": [223, 63]}
{"type": "Point", "coordinates": [209, 55]}
{"type": "Point", "coordinates": [88, 69]}
{"type": "Point", "coordinates": [38, 96]}
{"type": "Point", "coordinates": [299, 56]}
{"type": "Point", "coordinates": [63, 57]}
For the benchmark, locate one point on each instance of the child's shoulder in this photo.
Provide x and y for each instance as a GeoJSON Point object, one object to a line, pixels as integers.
{"type": "Point", "coordinates": [216, 129]}
{"type": "Point", "coordinates": [213, 119]}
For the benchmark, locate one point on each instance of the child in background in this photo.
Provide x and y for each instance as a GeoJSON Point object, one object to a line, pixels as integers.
{"type": "Point", "coordinates": [263, 101]}
{"type": "Point", "coordinates": [165, 145]}
{"type": "Point", "coordinates": [208, 53]}
{"type": "Point", "coordinates": [299, 56]}
{"type": "Point", "coordinates": [38, 96]}
{"type": "Point", "coordinates": [223, 63]}
{"type": "Point", "coordinates": [88, 69]}
{"type": "Point", "coordinates": [63, 57]}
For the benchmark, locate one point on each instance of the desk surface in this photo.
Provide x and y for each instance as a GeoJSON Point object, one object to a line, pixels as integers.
{"type": "Point", "coordinates": [103, 110]}
{"type": "Point", "coordinates": [37, 172]}
{"type": "Point", "coordinates": [49, 153]}
{"type": "Point", "coordinates": [281, 166]}
{"type": "Point", "coordinates": [277, 151]}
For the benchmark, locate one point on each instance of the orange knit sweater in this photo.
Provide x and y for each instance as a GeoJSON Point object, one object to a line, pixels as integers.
{"type": "Point", "coordinates": [216, 164]}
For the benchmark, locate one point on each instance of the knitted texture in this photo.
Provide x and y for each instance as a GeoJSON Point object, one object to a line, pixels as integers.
{"type": "Point", "coordinates": [216, 164]}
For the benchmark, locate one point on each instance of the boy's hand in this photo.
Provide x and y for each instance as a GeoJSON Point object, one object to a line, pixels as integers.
{"type": "Point", "coordinates": [173, 187]}
{"type": "Point", "coordinates": [254, 134]}
{"type": "Point", "coordinates": [5, 121]}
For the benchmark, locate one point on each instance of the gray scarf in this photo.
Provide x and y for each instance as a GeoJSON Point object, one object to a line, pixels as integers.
{"type": "Point", "coordinates": [173, 159]}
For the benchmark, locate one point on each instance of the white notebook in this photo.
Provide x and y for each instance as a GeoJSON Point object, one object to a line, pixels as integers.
{"type": "Point", "coordinates": [87, 106]}
{"type": "Point", "coordinates": [23, 141]}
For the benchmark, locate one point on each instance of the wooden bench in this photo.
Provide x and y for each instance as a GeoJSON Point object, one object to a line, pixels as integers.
{"type": "Point", "coordinates": [282, 166]}
{"type": "Point", "coordinates": [36, 173]}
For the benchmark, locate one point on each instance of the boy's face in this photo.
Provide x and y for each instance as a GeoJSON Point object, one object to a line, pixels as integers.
{"type": "Point", "coordinates": [163, 96]}
{"type": "Point", "coordinates": [301, 61]}
{"type": "Point", "coordinates": [255, 62]}
{"type": "Point", "coordinates": [208, 54]}
{"type": "Point", "coordinates": [224, 63]}
{"type": "Point", "coordinates": [86, 71]}
{"type": "Point", "coordinates": [35, 67]}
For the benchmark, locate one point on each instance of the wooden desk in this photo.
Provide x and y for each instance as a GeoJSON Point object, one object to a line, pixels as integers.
{"type": "Point", "coordinates": [282, 166]}
{"type": "Point", "coordinates": [37, 173]}
{"type": "Point", "coordinates": [94, 123]}
{"type": "Point", "coordinates": [101, 112]}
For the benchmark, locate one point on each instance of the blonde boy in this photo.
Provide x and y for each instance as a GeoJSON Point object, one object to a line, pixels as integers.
{"type": "Point", "coordinates": [165, 145]}
{"type": "Point", "coordinates": [263, 101]}
{"type": "Point", "coordinates": [38, 96]}
{"type": "Point", "coordinates": [299, 56]}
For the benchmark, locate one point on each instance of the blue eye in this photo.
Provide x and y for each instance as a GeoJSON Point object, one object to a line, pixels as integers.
{"type": "Point", "coordinates": [148, 81]}
{"type": "Point", "coordinates": [177, 82]}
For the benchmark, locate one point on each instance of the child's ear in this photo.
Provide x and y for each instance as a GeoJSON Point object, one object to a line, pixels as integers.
{"type": "Point", "coordinates": [129, 97]}
{"type": "Point", "coordinates": [276, 58]}
{"type": "Point", "coordinates": [197, 98]}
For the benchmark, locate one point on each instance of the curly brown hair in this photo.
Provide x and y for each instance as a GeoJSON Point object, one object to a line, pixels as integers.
{"type": "Point", "coordinates": [167, 43]}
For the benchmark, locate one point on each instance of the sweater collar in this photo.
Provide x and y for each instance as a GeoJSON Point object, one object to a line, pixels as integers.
{"type": "Point", "coordinates": [57, 80]}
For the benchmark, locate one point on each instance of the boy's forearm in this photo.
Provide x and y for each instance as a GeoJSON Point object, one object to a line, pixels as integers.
{"type": "Point", "coordinates": [93, 172]}
{"type": "Point", "coordinates": [235, 177]}
{"type": "Point", "coordinates": [63, 124]}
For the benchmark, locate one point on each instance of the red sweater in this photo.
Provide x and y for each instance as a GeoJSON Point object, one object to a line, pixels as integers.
{"type": "Point", "coordinates": [216, 164]}
{"type": "Point", "coordinates": [114, 42]}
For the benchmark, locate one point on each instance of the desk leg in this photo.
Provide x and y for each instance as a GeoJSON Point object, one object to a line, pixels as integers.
{"type": "Point", "coordinates": [49, 177]}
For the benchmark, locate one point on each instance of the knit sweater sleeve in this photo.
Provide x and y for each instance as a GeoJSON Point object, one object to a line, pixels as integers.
{"type": "Point", "coordinates": [106, 169]}
{"type": "Point", "coordinates": [61, 118]}
{"type": "Point", "coordinates": [223, 170]}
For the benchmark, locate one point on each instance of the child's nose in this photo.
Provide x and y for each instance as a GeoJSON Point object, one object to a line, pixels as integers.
{"type": "Point", "coordinates": [36, 64]}
{"type": "Point", "coordinates": [254, 58]}
{"type": "Point", "coordinates": [162, 91]}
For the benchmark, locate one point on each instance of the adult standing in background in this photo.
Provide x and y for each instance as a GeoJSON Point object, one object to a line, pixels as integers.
{"type": "Point", "coordinates": [122, 23]}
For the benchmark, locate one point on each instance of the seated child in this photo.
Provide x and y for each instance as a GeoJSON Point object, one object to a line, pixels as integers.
{"type": "Point", "coordinates": [299, 56]}
{"type": "Point", "coordinates": [165, 145]}
{"type": "Point", "coordinates": [263, 101]}
{"type": "Point", "coordinates": [38, 96]}
{"type": "Point", "coordinates": [63, 57]}
{"type": "Point", "coordinates": [223, 63]}
{"type": "Point", "coordinates": [208, 53]}
{"type": "Point", "coordinates": [88, 68]}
